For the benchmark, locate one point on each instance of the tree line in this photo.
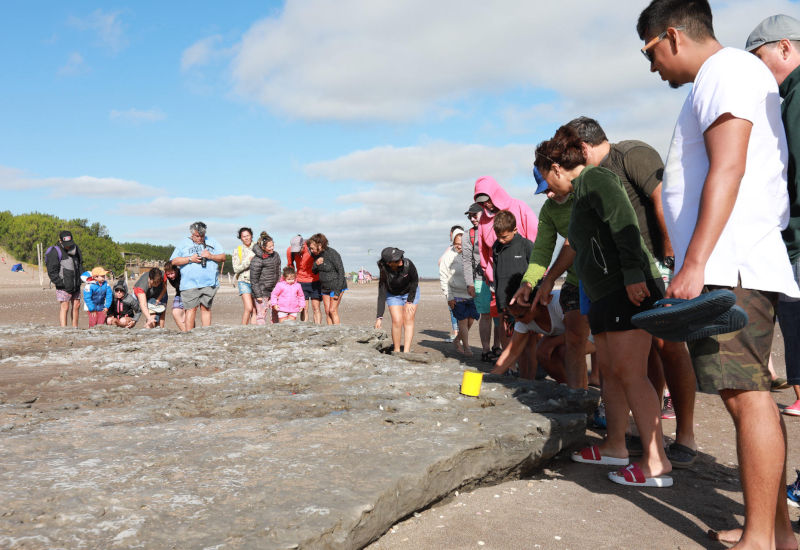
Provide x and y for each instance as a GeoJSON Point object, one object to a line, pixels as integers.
{"type": "Point", "coordinates": [20, 233]}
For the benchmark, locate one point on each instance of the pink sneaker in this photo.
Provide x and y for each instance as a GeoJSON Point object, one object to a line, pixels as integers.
{"type": "Point", "coordinates": [793, 409]}
{"type": "Point", "coordinates": [668, 412]}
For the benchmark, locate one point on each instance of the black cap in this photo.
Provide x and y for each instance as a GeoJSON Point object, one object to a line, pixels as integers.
{"type": "Point", "coordinates": [66, 239]}
{"type": "Point", "coordinates": [474, 208]}
{"type": "Point", "coordinates": [391, 254]}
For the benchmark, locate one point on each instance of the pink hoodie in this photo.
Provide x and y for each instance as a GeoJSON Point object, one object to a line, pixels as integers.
{"type": "Point", "coordinates": [288, 297]}
{"type": "Point", "coordinates": [527, 222]}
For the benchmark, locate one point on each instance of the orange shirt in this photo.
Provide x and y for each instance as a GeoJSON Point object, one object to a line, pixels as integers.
{"type": "Point", "coordinates": [302, 265]}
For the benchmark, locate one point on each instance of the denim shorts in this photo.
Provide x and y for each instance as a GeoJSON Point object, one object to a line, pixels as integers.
{"type": "Point", "coordinates": [464, 309]}
{"type": "Point", "coordinates": [400, 299]}
{"type": "Point", "coordinates": [177, 303]}
{"type": "Point", "coordinates": [245, 288]}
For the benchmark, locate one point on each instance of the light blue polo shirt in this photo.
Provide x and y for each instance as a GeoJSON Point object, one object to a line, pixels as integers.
{"type": "Point", "coordinates": [195, 275]}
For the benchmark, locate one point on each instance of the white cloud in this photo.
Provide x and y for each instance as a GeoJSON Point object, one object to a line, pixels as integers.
{"type": "Point", "coordinates": [107, 26]}
{"type": "Point", "coordinates": [382, 60]}
{"type": "Point", "coordinates": [91, 186]}
{"type": "Point", "coordinates": [437, 162]}
{"type": "Point", "coordinates": [137, 116]}
{"type": "Point", "coordinates": [75, 65]}
{"type": "Point", "coordinates": [201, 52]}
{"type": "Point", "coordinates": [220, 207]}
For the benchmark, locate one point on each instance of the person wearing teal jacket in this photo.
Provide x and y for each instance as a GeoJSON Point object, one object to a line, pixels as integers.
{"type": "Point", "coordinates": [619, 275]}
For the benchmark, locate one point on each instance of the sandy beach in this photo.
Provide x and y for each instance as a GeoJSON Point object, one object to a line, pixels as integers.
{"type": "Point", "coordinates": [566, 505]}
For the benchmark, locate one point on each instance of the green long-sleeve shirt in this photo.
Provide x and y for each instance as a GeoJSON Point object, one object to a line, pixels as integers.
{"type": "Point", "coordinates": [553, 221]}
{"type": "Point", "coordinates": [604, 232]}
{"type": "Point", "coordinates": [790, 112]}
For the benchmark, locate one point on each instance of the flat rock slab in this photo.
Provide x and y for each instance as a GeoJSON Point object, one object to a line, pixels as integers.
{"type": "Point", "coordinates": [287, 436]}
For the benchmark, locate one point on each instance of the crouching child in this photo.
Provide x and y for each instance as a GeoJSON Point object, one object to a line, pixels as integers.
{"type": "Point", "coordinates": [124, 310]}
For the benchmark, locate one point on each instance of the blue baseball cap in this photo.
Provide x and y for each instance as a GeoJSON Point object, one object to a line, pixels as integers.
{"type": "Point", "coordinates": [542, 184]}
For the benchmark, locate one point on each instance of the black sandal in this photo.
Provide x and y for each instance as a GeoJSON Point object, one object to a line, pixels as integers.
{"type": "Point", "coordinates": [486, 357]}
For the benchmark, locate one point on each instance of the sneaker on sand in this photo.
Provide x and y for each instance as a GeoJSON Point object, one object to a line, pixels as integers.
{"type": "Point", "coordinates": [157, 308]}
{"type": "Point", "coordinates": [599, 417]}
{"type": "Point", "coordinates": [793, 409]}
{"type": "Point", "coordinates": [668, 412]}
{"type": "Point", "coordinates": [793, 492]}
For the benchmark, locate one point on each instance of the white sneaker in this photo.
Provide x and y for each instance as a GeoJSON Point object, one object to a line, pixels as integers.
{"type": "Point", "coordinates": [157, 308]}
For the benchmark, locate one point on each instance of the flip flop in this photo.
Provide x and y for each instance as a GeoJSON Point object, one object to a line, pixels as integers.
{"type": "Point", "coordinates": [678, 320]}
{"type": "Point", "coordinates": [681, 456]}
{"type": "Point", "coordinates": [632, 475]}
{"type": "Point", "coordinates": [591, 455]}
{"type": "Point", "coordinates": [732, 320]}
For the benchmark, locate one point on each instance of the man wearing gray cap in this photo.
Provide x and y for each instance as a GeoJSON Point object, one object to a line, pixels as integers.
{"type": "Point", "coordinates": [776, 41]}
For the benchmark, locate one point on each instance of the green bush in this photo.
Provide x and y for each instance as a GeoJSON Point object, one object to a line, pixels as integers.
{"type": "Point", "coordinates": [19, 235]}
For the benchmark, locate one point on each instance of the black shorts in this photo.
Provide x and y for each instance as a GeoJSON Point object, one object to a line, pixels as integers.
{"type": "Point", "coordinates": [613, 312]}
{"type": "Point", "coordinates": [312, 291]}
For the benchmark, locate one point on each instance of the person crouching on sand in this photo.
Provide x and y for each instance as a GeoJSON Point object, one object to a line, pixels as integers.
{"type": "Point", "coordinates": [287, 298]}
{"type": "Point", "coordinates": [124, 310]}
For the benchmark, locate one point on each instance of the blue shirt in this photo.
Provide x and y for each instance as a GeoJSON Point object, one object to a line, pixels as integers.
{"type": "Point", "coordinates": [195, 275]}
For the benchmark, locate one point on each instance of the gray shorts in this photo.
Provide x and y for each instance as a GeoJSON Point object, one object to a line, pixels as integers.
{"type": "Point", "coordinates": [193, 297]}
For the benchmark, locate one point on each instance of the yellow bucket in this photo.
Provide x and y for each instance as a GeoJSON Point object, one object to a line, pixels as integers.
{"type": "Point", "coordinates": [471, 383]}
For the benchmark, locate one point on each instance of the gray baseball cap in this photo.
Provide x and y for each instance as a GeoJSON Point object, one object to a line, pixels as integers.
{"type": "Point", "coordinates": [773, 29]}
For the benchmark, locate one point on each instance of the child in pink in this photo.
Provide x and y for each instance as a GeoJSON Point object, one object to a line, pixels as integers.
{"type": "Point", "coordinates": [287, 296]}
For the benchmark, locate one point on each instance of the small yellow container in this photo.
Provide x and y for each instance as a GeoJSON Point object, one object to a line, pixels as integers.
{"type": "Point", "coordinates": [471, 383]}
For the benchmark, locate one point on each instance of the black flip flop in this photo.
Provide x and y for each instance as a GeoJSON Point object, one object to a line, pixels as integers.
{"type": "Point", "coordinates": [681, 456]}
{"type": "Point", "coordinates": [679, 320]}
{"type": "Point", "coordinates": [732, 320]}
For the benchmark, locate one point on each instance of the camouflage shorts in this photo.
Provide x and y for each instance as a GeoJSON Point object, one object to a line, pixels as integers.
{"type": "Point", "coordinates": [738, 360]}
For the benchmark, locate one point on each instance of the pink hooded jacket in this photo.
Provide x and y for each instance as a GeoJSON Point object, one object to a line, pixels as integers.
{"type": "Point", "coordinates": [527, 222]}
{"type": "Point", "coordinates": [288, 297]}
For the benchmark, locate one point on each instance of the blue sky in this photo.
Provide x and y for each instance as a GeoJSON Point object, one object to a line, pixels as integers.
{"type": "Point", "coordinates": [367, 120]}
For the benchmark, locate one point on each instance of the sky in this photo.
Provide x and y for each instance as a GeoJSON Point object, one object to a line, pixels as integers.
{"type": "Point", "coordinates": [366, 120]}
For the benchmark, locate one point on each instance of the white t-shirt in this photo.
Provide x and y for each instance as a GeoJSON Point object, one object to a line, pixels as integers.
{"type": "Point", "coordinates": [750, 246]}
{"type": "Point", "coordinates": [556, 319]}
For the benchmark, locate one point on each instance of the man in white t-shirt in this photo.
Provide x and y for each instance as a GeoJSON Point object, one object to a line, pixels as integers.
{"type": "Point", "coordinates": [725, 203]}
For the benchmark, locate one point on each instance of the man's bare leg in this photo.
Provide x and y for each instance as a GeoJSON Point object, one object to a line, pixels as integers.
{"type": "Point", "coordinates": [682, 384]}
{"type": "Point", "coordinates": [63, 312]}
{"type": "Point", "coordinates": [485, 331]}
{"type": "Point", "coordinates": [205, 316]}
{"type": "Point", "coordinates": [76, 312]}
{"type": "Point", "coordinates": [761, 448]}
{"type": "Point", "coordinates": [576, 333]}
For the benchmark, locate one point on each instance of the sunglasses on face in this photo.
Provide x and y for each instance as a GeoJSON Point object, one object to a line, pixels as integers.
{"type": "Point", "coordinates": [647, 47]}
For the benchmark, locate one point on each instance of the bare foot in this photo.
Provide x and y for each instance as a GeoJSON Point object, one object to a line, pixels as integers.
{"type": "Point", "coordinates": [732, 536]}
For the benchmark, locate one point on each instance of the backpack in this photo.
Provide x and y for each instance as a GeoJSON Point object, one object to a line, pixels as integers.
{"type": "Point", "coordinates": [58, 249]}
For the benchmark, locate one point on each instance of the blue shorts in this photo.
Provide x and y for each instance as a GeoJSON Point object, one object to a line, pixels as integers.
{"type": "Point", "coordinates": [333, 293]}
{"type": "Point", "coordinates": [401, 299]}
{"type": "Point", "coordinates": [177, 303]}
{"type": "Point", "coordinates": [586, 303]}
{"type": "Point", "coordinates": [312, 290]}
{"type": "Point", "coordinates": [245, 288]}
{"type": "Point", "coordinates": [483, 296]}
{"type": "Point", "coordinates": [464, 309]}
